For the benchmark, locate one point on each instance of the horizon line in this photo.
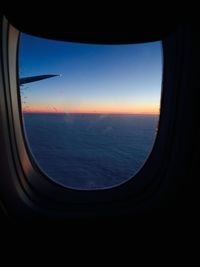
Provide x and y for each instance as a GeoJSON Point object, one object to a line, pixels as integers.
{"type": "Point", "coordinates": [92, 113]}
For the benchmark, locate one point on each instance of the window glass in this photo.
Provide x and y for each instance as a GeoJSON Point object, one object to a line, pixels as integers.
{"type": "Point", "coordinates": [94, 125]}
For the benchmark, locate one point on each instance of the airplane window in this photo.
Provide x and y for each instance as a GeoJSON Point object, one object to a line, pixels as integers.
{"type": "Point", "coordinates": [90, 112]}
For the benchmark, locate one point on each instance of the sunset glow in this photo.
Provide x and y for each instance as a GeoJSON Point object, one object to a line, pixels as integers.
{"type": "Point", "coordinates": [142, 109]}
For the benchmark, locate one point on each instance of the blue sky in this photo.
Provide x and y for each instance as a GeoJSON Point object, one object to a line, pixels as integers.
{"type": "Point", "coordinates": [95, 78]}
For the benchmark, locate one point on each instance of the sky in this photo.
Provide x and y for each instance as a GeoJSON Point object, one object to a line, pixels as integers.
{"type": "Point", "coordinates": [123, 79]}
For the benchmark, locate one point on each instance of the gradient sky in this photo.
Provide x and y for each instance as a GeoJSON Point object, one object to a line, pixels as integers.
{"type": "Point", "coordinates": [95, 78]}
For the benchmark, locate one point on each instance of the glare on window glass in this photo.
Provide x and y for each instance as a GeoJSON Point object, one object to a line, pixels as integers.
{"type": "Point", "coordinates": [93, 125]}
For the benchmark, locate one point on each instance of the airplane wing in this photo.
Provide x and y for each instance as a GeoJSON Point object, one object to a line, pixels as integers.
{"type": "Point", "coordinates": [35, 78]}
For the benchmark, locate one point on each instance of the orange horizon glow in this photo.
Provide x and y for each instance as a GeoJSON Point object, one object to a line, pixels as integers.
{"type": "Point", "coordinates": [146, 110]}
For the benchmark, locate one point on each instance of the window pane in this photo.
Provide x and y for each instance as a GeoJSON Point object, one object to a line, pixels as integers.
{"type": "Point", "coordinates": [95, 125]}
